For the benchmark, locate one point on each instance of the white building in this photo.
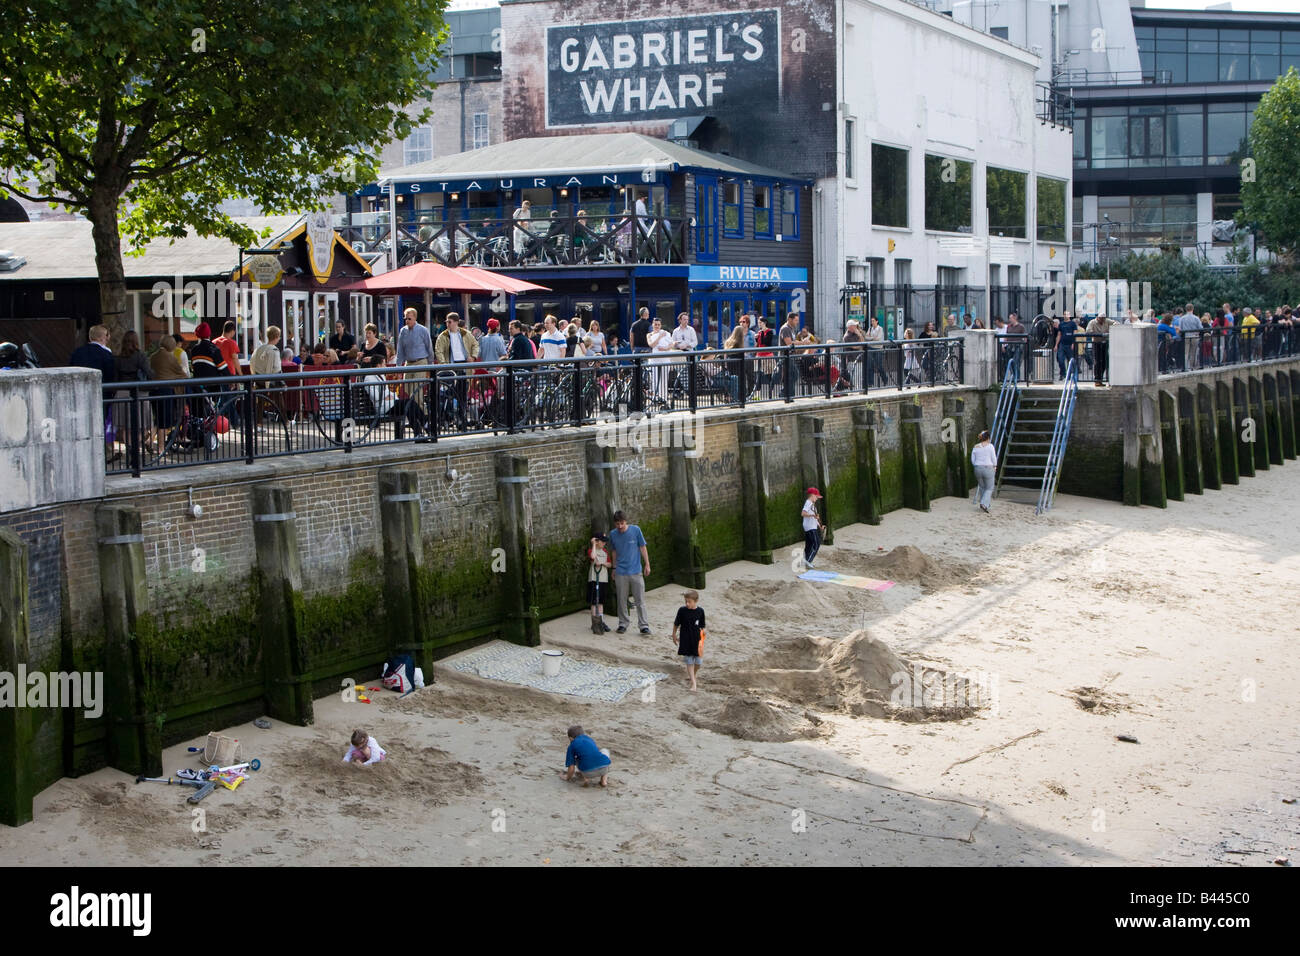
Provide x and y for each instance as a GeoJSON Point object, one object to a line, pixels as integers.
{"type": "Point", "coordinates": [940, 141]}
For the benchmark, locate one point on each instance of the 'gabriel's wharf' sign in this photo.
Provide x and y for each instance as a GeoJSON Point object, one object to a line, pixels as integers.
{"type": "Point", "coordinates": [648, 70]}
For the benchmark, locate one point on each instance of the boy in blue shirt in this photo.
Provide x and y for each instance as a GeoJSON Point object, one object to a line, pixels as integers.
{"type": "Point", "coordinates": [585, 758]}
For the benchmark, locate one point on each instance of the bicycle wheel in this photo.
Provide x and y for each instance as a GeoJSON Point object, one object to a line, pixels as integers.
{"type": "Point", "coordinates": [271, 433]}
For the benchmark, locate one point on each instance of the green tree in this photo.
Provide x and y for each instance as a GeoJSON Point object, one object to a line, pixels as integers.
{"type": "Point", "coordinates": [1270, 181]}
{"type": "Point", "coordinates": [144, 115]}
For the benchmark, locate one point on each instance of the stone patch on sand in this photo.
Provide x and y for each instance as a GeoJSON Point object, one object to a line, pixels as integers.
{"type": "Point", "coordinates": [857, 674]}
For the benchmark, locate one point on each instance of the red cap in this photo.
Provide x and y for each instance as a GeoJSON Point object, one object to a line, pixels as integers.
{"type": "Point", "coordinates": [203, 330]}
{"type": "Point", "coordinates": [493, 324]}
{"type": "Point", "coordinates": [813, 491]}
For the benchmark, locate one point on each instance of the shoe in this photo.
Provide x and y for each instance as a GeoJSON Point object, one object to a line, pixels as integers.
{"type": "Point", "coordinates": [605, 628]}
{"type": "Point", "coordinates": [985, 509]}
{"type": "Point", "coordinates": [645, 630]}
{"type": "Point", "coordinates": [596, 627]}
{"type": "Point", "coordinates": [622, 629]}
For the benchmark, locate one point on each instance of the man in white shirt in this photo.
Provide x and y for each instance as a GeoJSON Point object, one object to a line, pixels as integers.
{"type": "Point", "coordinates": [684, 337]}
{"type": "Point", "coordinates": [1188, 322]}
{"type": "Point", "coordinates": [812, 528]}
{"type": "Point", "coordinates": [554, 341]}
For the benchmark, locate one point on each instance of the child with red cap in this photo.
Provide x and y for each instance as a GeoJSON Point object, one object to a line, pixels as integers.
{"type": "Point", "coordinates": [812, 527]}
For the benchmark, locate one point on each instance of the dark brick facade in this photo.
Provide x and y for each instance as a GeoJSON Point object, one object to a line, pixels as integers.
{"type": "Point", "coordinates": [796, 134]}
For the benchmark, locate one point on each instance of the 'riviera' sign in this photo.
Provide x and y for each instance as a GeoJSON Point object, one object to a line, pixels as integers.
{"type": "Point", "coordinates": [647, 70]}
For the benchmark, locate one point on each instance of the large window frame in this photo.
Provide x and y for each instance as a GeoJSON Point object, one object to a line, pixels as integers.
{"type": "Point", "coordinates": [1048, 208]}
{"type": "Point", "coordinates": [945, 208]}
{"type": "Point", "coordinates": [889, 202]}
{"type": "Point", "coordinates": [1006, 194]}
{"type": "Point", "coordinates": [418, 147]}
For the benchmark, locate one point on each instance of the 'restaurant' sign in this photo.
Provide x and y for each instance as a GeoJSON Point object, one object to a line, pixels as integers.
{"type": "Point", "coordinates": [651, 70]}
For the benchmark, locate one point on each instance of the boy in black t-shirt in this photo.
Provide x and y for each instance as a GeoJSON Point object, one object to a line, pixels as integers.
{"type": "Point", "coordinates": [690, 621]}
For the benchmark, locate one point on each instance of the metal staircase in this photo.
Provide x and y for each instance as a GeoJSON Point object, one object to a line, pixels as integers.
{"type": "Point", "coordinates": [1004, 419]}
{"type": "Point", "coordinates": [1036, 438]}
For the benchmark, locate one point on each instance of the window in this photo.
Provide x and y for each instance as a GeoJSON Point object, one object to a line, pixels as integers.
{"type": "Point", "coordinates": [763, 212]}
{"type": "Point", "coordinates": [1051, 209]}
{"type": "Point", "coordinates": [1005, 197]}
{"type": "Point", "coordinates": [1109, 137]}
{"type": "Point", "coordinates": [1226, 205]}
{"type": "Point", "coordinates": [733, 218]}
{"type": "Point", "coordinates": [888, 186]}
{"type": "Point", "coordinates": [789, 225]}
{"type": "Point", "coordinates": [1076, 219]}
{"type": "Point", "coordinates": [902, 272]}
{"type": "Point", "coordinates": [1002, 33]}
{"type": "Point", "coordinates": [1184, 131]}
{"type": "Point", "coordinates": [1226, 127]}
{"type": "Point", "coordinates": [1080, 136]}
{"type": "Point", "coordinates": [418, 147]}
{"type": "Point", "coordinates": [948, 277]}
{"type": "Point", "coordinates": [481, 135]}
{"type": "Point", "coordinates": [1148, 220]}
{"type": "Point", "coordinates": [848, 149]}
{"type": "Point", "coordinates": [948, 194]}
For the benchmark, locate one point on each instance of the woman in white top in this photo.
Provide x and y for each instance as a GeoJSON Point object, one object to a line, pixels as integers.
{"type": "Point", "coordinates": [911, 362]}
{"type": "Point", "coordinates": [661, 343]}
{"type": "Point", "coordinates": [985, 459]}
{"type": "Point", "coordinates": [523, 215]}
{"type": "Point", "coordinates": [597, 339]}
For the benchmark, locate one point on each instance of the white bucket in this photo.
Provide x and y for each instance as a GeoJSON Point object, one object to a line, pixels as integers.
{"type": "Point", "coordinates": [551, 663]}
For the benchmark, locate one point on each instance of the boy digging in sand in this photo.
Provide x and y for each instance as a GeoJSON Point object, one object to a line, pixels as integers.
{"type": "Point", "coordinates": [585, 759]}
{"type": "Point", "coordinates": [690, 621]}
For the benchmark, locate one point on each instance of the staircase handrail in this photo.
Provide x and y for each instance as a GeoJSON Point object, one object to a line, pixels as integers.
{"type": "Point", "coordinates": [1060, 436]}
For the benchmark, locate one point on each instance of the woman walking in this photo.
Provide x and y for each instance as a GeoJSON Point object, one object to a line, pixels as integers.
{"type": "Point", "coordinates": [985, 459]}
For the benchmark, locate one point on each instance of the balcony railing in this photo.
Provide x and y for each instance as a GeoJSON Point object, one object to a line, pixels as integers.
{"type": "Point", "coordinates": [512, 243]}
{"type": "Point", "coordinates": [177, 423]}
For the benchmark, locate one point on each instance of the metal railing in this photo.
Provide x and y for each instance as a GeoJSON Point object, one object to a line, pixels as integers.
{"type": "Point", "coordinates": [1217, 347]}
{"type": "Point", "coordinates": [520, 243]}
{"type": "Point", "coordinates": [177, 423]}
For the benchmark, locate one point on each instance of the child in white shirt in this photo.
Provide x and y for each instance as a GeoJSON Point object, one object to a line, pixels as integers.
{"type": "Point", "coordinates": [364, 750]}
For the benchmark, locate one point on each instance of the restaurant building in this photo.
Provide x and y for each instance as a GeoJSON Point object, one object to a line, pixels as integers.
{"type": "Point", "coordinates": [910, 164]}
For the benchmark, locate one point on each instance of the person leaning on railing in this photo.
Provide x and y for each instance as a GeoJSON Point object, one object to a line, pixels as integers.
{"type": "Point", "coordinates": [1098, 331]}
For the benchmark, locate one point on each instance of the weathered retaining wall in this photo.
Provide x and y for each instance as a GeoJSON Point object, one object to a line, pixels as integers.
{"type": "Point", "coordinates": [212, 635]}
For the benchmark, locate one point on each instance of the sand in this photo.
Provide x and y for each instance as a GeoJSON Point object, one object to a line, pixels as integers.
{"type": "Point", "coordinates": [1057, 635]}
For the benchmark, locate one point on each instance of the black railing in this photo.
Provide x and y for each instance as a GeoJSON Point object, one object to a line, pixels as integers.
{"type": "Point", "coordinates": [173, 424]}
{"type": "Point", "coordinates": [517, 243]}
{"type": "Point", "coordinates": [1215, 347]}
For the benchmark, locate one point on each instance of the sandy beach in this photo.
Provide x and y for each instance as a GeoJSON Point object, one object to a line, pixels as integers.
{"type": "Point", "coordinates": [1176, 628]}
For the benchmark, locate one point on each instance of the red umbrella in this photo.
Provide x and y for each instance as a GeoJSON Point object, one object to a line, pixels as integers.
{"type": "Point", "coordinates": [428, 276]}
{"type": "Point", "coordinates": [420, 277]}
{"type": "Point", "coordinates": [503, 282]}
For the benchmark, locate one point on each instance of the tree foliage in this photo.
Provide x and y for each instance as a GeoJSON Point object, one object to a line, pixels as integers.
{"type": "Point", "coordinates": [145, 115]}
{"type": "Point", "coordinates": [1176, 280]}
{"type": "Point", "coordinates": [1270, 191]}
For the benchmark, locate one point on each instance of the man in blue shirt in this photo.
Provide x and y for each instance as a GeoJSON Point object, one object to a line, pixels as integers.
{"type": "Point", "coordinates": [585, 758]}
{"type": "Point", "coordinates": [1065, 341]}
{"type": "Point", "coordinates": [631, 567]}
{"type": "Point", "coordinates": [1167, 338]}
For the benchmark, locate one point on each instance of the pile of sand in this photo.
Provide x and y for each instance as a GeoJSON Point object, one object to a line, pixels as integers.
{"type": "Point", "coordinates": [859, 675]}
{"type": "Point", "coordinates": [906, 564]}
{"type": "Point", "coordinates": [790, 600]}
{"type": "Point", "coordinates": [751, 718]}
